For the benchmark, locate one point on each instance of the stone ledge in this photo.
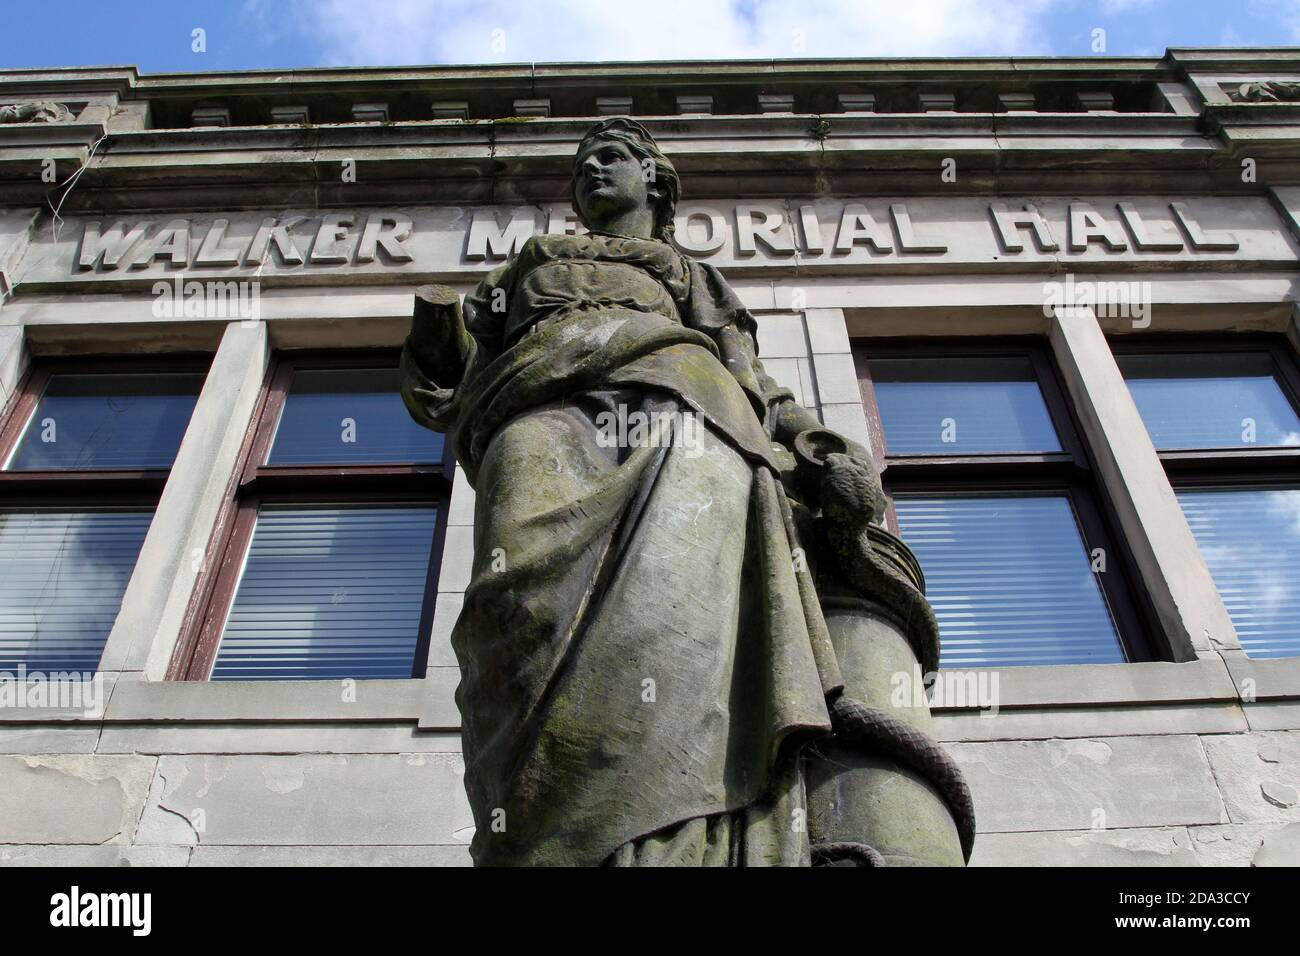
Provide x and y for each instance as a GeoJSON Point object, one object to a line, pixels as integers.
{"type": "Point", "coordinates": [318, 737]}
{"type": "Point", "coordinates": [1273, 715]}
{"type": "Point", "coordinates": [1100, 721]}
{"type": "Point", "coordinates": [1096, 685]}
{"type": "Point", "coordinates": [1275, 679]}
{"type": "Point", "coordinates": [13, 712]}
{"type": "Point", "coordinates": [435, 854]}
{"type": "Point", "coordinates": [51, 738]}
{"type": "Point", "coordinates": [1083, 696]}
{"type": "Point", "coordinates": [137, 701]}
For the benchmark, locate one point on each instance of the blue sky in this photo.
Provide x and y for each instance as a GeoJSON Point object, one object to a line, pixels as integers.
{"type": "Point", "coordinates": [157, 35]}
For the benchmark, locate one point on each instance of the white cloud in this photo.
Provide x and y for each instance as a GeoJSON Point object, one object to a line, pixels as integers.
{"type": "Point", "coordinates": [507, 31]}
{"type": "Point", "coordinates": [1112, 7]}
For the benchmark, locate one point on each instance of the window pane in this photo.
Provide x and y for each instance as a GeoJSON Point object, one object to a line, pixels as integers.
{"type": "Point", "coordinates": [1250, 539]}
{"type": "Point", "coordinates": [1210, 401]}
{"type": "Point", "coordinates": [349, 416]}
{"type": "Point", "coordinates": [962, 406]}
{"type": "Point", "coordinates": [329, 591]}
{"type": "Point", "coordinates": [115, 420]}
{"type": "Point", "coordinates": [62, 574]}
{"type": "Point", "coordinates": [1010, 581]}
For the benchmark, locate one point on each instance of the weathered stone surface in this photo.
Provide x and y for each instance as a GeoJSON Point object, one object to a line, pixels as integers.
{"type": "Point", "coordinates": [837, 378]}
{"type": "Point", "coordinates": [460, 511]}
{"type": "Point", "coordinates": [827, 332]}
{"type": "Point", "coordinates": [1119, 782]}
{"type": "Point", "coordinates": [787, 373]}
{"type": "Point", "coordinates": [782, 336]}
{"type": "Point", "coordinates": [1044, 723]}
{"type": "Point", "coordinates": [849, 420]}
{"type": "Point", "coordinates": [1273, 715]}
{"type": "Point", "coordinates": [652, 569]}
{"type": "Point", "coordinates": [72, 799]}
{"type": "Point", "coordinates": [1091, 685]}
{"type": "Point", "coordinates": [49, 739]}
{"type": "Point", "coordinates": [268, 738]}
{"type": "Point", "coordinates": [1278, 794]}
{"type": "Point", "coordinates": [1250, 768]}
{"type": "Point", "coordinates": [457, 558]}
{"type": "Point", "coordinates": [139, 700]}
{"type": "Point", "coordinates": [445, 613]}
{"type": "Point", "coordinates": [1264, 680]}
{"type": "Point", "coordinates": [84, 856]}
{"type": "Point", "coordinates": [1279, 847]}
{"type": "Point", "coordinates": [13, 359]}
{"type": "Point", "coordinates": [310, 800]}
{"type": "Point", "coordinates": [440, 711]}
{"type": "Point", "coordinates": [1238, 844]}
{"type": "Point", "coordinates": [1161, 846]}
{"type": "Point", "coordinates": [331, 856]}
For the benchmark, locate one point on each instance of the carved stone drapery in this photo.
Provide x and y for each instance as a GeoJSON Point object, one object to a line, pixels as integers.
{"type": "Point", "coordinates": [1266, 91]}
{"type": "Point", "coordinates": [677, 642]}
{"type": "Point", "coordinates": [42, 112]}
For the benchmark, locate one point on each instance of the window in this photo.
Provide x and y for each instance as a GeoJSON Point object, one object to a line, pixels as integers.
{"type": "Point", "coordinates": [1223, 415]}
{"type": "Point", "coordinates": [87, 449]}
{"type": "Point", "coordinates": [991, 489]}
{"type": "Point", "coordinates": [328, 549]}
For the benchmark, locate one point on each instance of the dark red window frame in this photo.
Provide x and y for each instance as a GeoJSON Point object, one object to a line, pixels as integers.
{"type": "Point", "coordinates": [90, 486]}
{"type": "Point", "coordinates": [1069, 471]}
{"type": "Point", "coordinates": [255, 482]}
{"type": "Point", "coordinates": [1193, 467]}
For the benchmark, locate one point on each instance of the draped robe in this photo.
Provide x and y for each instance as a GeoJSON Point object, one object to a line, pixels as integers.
{"type": "Point", "coordinates": [641, 650]}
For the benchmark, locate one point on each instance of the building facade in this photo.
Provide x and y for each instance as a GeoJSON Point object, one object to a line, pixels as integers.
{"type": "Point", "coordinates": [1056, 297]}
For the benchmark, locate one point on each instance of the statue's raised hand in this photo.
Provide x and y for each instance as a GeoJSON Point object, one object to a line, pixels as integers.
{"type": "Point", "coordinates": [438, 336]}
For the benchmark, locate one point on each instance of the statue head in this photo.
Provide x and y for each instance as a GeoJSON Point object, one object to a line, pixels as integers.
{"type": "Point", "coordinates": [618, 168]}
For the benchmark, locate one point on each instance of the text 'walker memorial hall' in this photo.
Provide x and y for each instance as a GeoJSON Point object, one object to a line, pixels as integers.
{"type": "Point", "coordinates": [796, 462]}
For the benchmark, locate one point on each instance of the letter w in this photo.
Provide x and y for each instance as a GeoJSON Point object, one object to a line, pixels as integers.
{"type": "Point", "coordinates": [110, 246]}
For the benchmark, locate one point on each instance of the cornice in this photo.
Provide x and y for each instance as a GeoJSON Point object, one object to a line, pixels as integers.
{"type": "Point", "coordinates": [1162, 131]}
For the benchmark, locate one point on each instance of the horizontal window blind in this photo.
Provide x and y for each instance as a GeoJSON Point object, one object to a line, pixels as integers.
{"type": "Point", "coordinates": [962, 406]}
{"type": "Point", "coordinates": [62, 575]}
{"type": "Point", "coordinates": [1010, 580]}
{"type": "Point", "coordinates": [329, 592]}
{"type": "Point", "coordinates": [1210, 401]}
{"type": "Point", "coordinates": [1250, 540]}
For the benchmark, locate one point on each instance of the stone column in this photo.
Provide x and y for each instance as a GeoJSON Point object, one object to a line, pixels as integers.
{"type": "Point", "coordinates": [174, 552]}
{"type": "Point", "coordinates": [1192, 614]}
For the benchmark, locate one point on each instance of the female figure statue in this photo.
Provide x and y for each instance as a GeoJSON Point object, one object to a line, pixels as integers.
{"type": "Point", "coordinates": [642, 653]}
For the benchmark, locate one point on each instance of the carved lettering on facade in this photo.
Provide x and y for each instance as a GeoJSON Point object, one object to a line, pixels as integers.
{"type": "Point", "coordinates": [140, 245]}
{"type": "Point", "coordinates": [822, 233]}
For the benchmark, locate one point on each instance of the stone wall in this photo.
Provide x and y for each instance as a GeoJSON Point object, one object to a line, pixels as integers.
{"type": "Point", "coordinates": [1135, 764]}
{"type": "Point", "coordinates": [1188, 763]}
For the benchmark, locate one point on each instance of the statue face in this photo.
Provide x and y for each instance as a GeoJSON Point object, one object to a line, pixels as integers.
{"type": "Point", "coordinates": [609, 183]}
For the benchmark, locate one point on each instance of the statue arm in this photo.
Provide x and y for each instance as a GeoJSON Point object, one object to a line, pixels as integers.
{"type": "Point", "coordinates": [446, 343]}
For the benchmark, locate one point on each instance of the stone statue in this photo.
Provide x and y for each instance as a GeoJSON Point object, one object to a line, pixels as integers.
{"type": "Point", "coordinates": [45, 112]}
{"type": "Point", "coordinates": [647, 671]}
{"type": "Point", "coordinates": [1266, 91]}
